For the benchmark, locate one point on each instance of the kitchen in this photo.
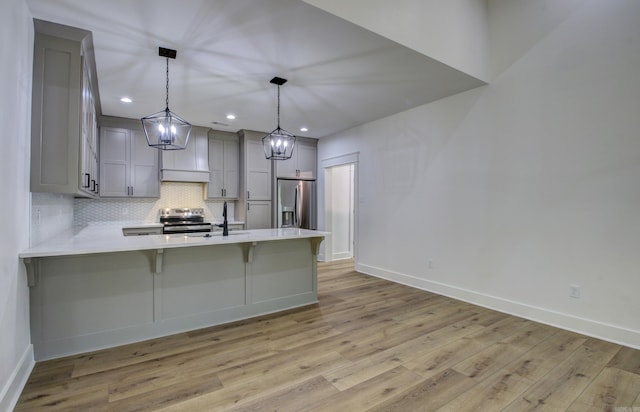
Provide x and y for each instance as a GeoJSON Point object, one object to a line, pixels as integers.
{"type": "Point", "coordinates": [482, 140]}
{"type": "Point", "coordinates": [228, 266]}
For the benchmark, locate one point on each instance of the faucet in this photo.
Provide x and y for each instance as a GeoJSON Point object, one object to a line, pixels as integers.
{"type": "Point", "coordinates": [225, 223]}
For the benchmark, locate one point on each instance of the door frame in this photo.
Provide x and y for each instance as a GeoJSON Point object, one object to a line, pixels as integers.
{"type": "Point", "coordinates": [342, 160]}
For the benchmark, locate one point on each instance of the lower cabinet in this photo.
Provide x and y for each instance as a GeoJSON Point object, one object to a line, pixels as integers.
{"type": "Point", "coordinates": [258, 215]}
{"type": "Point", "coordinates": [128, 166]}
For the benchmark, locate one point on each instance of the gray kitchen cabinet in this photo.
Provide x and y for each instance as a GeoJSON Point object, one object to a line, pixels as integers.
{"type": "Point", "coordinates": [254, 200]}
{"type": "Point", "coordinates": [65, 104]}
{"type": "Point", "coordinates": [190, 164]}
{"type": "Point", "coordinates": [128, 166]}
{"type": "Point", "coordinates": [302, 164]}
{"type": "Point", "coordinates": [258, 215]}
{"type": "Point", "coordinates": [224, 165]}
{"type": "Point", "coordinates": [258, 171]}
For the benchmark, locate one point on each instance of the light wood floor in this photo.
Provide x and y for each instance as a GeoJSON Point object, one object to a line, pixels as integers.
{"type": "Point", "coordinates": [368, 345]}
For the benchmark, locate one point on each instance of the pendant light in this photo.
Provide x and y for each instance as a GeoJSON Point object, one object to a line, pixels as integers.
{"type": "Point", "coordinates": [278, 145]}
{"type": "Point", "coordinates": [166, 130]}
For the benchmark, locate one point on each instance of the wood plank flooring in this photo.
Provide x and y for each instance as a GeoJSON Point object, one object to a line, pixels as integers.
{"type": "Point", "coordinates": [369, 345]}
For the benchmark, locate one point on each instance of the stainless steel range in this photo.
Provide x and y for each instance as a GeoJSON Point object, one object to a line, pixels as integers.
{"type": "Point", "coordinates": [184, 220]}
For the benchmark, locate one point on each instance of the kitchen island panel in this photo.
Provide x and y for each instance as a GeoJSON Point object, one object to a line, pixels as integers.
{"type": "Point", "coordinates": [201, 280]}
{"type": "Point", "coordinates": [79, 300]}
{"type": "Point", "coordinates": [88, 301]}
{"type": "Point", "coordinates": [282, 269]}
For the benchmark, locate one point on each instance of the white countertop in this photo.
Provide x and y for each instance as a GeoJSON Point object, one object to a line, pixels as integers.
{"type": "Point", "coordinates": [106, 239]}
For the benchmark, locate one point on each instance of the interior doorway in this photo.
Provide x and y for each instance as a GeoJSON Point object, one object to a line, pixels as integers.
{"type": "Point", "coordinates": [340, 176]}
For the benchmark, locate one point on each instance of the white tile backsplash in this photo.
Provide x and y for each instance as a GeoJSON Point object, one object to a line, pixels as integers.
{"type": "Point", "coordinates": [140, 210]}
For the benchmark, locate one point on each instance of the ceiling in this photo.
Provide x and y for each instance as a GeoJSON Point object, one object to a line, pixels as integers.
{"type": "Point", "coordinates": [339, 75]}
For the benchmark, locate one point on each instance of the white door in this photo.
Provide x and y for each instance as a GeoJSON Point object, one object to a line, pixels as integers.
{"type": "Point", "coordinates": [340, 204]}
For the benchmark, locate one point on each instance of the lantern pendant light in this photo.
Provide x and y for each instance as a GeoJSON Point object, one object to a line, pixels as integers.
{"type": "Point", "coordinates": [278, 145]}
{"type": "Point", "coordinates": [166, 130]}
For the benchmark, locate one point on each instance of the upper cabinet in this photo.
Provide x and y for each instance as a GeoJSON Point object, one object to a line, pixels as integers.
{"type": "Point", "coordinates": [190, 164]}
{"type": "Point", "coordinates": [65, 103]}
{"type": "Point", "coordinates": [257, 167]}
{"type": "Point", "coordinates": [302, 164]}
{"type": "Point", "coordinates": [254, 200]}
{"type": "Point", "coordinates": [224, 165]}
{"type": "Point", "coordinates": [128, 165]}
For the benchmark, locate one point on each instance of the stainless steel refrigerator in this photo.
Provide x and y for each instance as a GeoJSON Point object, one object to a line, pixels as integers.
{"type": "Point", "coordinates": [297, 204]}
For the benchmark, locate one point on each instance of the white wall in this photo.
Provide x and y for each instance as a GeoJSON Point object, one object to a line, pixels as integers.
{"type": "Point", "coordinates": [521, 188]}
{"type": "Point", "coordinates": [527, 22]}
{"type": "Point", "coordinates": [16, 45]}
{"type": "Point", "coordinates": [51, 213]}
{"type": "Point", "coordinates": [453, 32]}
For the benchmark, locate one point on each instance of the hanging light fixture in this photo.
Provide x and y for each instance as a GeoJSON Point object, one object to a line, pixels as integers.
{"type": "Point", "coordinates": [278, 145]}
{"type": "Point", "coordinates": [166, 130]}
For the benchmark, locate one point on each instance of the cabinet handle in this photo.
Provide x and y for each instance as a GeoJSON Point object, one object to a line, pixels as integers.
{"type": "Point", "coordinates": [97, 188]}
{"type": "Point", "coordinates": [93, 185]}
{"type": "Point", "coordinates": [248, 195]}
{"type": "Point", "coordinates": [131, 190]}
{"type": "Point", "coordinates": [248, 206]}
{"type": "Point", "coordinates": [86, 184]}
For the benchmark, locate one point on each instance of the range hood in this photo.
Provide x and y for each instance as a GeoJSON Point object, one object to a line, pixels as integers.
{"type": "Point", "coordinates": [190, 164]}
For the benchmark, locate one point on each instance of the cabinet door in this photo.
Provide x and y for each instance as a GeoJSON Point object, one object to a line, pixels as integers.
{"type": "Point", "coordinates": [258, 172]}
{"type": "Point", "coordinates": [193, 158]}
{"type": "Point", "coordinates": [86, 167]}
{"type": "Point", "coordinates": [216, 168]}
{"type": "Point", "coordinates": [145, 181]}
{"type": "Point", "coordinates": [258, 215]}
{"type": "Point", "coordinates": [56, 111]}
{"type": "Point", "coordinates": [201, 146]}
{"type": "Point", "coordinates": [307, 158]}
{"type": "Point", "coordinates": [288, 168]}
{"type": "Point", "coordinates": [114, 160]}
{"type": "Point", "coordinates": [231, 168]}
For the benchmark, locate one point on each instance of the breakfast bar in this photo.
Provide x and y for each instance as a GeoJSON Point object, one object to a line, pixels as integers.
{"type": "Point", "coordinates": [96, 288]}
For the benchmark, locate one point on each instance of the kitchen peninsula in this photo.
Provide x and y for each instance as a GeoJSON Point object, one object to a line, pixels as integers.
{"type": "Point", "coordinates": [97, 288]}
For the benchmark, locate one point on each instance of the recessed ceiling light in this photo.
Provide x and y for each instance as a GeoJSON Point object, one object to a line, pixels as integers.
{"type": "Point", "coordinates": [231, 116]}
{"type": "Point", "coordinates": [304, 129]}
{"type": "Point", "coordinates": [126, 100]}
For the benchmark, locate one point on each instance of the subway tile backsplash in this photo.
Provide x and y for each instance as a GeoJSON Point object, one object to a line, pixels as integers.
{"type": "Point", "coordinates": [141, 210]}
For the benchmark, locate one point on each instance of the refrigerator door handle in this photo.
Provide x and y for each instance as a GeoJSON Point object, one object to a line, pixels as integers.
{"type": "Point", "coordinates": [296, 212]}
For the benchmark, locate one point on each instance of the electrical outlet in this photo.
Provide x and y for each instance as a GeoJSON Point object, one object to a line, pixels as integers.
{"type": "Point", "coordinates": [430, 264]}
{"type": "Point", "coordinates": [574, 291]}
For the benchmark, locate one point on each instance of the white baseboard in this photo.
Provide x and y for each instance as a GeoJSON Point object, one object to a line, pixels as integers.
{"type": "Point", "coordinates": [589, 327]}
{"type": "Point", "coordinates": [13, 387]}
{"type": "Point", "coordinates": [342, 255]}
